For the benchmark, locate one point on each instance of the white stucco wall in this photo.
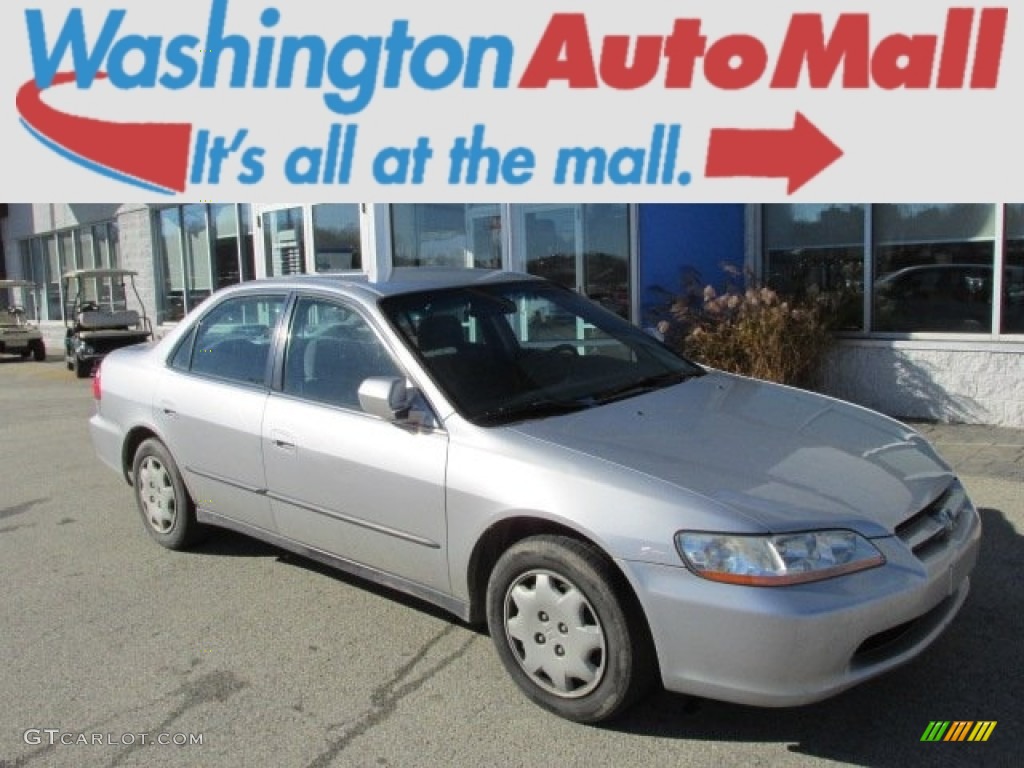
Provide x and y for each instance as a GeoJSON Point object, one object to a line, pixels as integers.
{"type": "Point", "coordinates": [954, 382]}
{"type": "Point", "coordinates": [135, 238]}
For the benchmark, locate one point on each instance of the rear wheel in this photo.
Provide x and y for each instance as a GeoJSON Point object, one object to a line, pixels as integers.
{"type": "Point", "coordinates": [82, 368]}
{"type": "Point", "coordinates": [566, 629]}
{"type": "Point", "coordinates": [163, 501]}
{"type": "Point", "coordinates": [39, 350]}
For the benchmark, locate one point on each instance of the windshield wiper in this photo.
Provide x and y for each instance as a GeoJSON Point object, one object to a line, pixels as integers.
{"type": "Point", "coordinates": [643, 386]}
{"type": "Point", "coordinates": [535, 409]}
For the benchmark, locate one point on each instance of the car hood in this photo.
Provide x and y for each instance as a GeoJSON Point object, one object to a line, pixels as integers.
{"type": "Point", "coordinates": [783, 458]}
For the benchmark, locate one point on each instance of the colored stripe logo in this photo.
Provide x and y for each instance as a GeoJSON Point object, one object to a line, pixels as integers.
{"type": "Point", "coordinates": [959, 730]}
{"type": "Point", "coordinates": [152, 156]}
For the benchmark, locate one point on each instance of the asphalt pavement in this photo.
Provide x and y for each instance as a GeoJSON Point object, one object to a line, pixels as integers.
{"type": "Point", "coordinates": [250, 656]}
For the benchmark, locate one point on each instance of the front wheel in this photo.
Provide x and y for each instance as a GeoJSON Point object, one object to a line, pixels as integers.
{"type": "Point", "coordinates": [567, 630]}
{"type": "Point", "coordinates": [163, 501]}
{"type": "Point", "coordinates": [39, 351]}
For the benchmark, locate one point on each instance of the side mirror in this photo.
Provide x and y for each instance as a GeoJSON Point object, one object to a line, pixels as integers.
{"type": "Point", "coordinates": [386, 397]}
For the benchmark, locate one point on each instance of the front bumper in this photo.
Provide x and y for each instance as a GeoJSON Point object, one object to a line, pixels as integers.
{"type": "Point", "coordinates": [788, 646]}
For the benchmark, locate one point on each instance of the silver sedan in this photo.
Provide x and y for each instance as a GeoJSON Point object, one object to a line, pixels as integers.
{"type": "Point", "coordinates": [502, 447]}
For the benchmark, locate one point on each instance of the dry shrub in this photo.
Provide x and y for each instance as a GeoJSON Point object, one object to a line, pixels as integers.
{"type": "Point", "coordinates": [750, 330]}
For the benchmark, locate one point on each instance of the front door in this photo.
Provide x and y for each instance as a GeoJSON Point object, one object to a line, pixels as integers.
{"type": "Point", "coordinates": [342, 481]}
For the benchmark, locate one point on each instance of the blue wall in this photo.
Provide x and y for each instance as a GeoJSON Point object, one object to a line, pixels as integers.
{"type": "Point", "coordinates": [674, 238]}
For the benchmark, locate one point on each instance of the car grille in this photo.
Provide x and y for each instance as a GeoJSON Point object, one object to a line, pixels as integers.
{"type": "Point", "coordinates": [929, 531]}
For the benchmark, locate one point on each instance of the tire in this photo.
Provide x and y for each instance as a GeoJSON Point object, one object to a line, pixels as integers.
{"type": "Point", "coordinates": [25, 353]}
{"type": "Point", "coordinates": [167, 510]}
{"type": "Point", "coordinates": [39, 351]}
{"type": "Point", "coordinates": [82, 368]}
{"type": "Point", "coordinates": [567, 629]}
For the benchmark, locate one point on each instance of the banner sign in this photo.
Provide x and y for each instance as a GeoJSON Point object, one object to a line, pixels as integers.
{"type": "Point", "coordinates": [647, 101]}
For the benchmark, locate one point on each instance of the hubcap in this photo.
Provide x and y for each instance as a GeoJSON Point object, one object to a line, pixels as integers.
{"type": "Point", "coordinates": [555, 634]}
{"type": "Point", "coordinates": [156, 494]}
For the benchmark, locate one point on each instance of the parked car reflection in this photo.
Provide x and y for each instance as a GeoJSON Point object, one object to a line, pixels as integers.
{"type": "Point", "coordinates": [943, 298]}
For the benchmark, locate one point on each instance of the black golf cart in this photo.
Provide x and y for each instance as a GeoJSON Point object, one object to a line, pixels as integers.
{"type": "Point", "coordinates": [98, 319]}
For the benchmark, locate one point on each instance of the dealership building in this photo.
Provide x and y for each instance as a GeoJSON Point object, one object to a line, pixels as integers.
{"type": "Point", "coordinates": [931, 295]}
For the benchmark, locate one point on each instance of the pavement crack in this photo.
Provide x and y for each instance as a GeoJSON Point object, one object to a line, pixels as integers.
{"type": "Point", "coordinates": [386, 697]}
{"type": "Point", "coordinates": [218, 686]}
{"type": "Point", "coordinates": [19, 509]}
{"type": "Point", "coordinates": [13, 528]}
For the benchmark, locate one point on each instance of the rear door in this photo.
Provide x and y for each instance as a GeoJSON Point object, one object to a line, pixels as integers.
{"type": "Point", "coordinates": [210, 401]}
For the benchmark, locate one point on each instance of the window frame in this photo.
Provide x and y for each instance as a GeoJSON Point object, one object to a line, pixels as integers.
{"type": "Point", "coordinates": [286, 333]}
{"type": "Point", "coordinates": [191, 337]}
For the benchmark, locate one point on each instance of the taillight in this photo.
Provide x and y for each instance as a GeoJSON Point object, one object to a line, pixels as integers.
{"type": "Point", "coordinates": [97, 389]}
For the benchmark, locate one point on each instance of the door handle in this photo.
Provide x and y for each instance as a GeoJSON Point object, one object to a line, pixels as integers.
{"type": "Point", "coordinates": [282, 440]}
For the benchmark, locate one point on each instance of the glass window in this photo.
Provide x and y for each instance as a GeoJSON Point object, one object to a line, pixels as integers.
{"type": "Point", "coordinates": [170, 242]}
{"type": "Point", "coordinates": [933, 267]}
{"type": "Point", "coordinates": [552, 242]}
{"type": "Point", "coordinates": [284, 240]}
{"type": "Point", "coordinates": [199, 250]}
{"type": "Point", "coordinates": [337, 246]}
{"type": "Point", "coordinates": [818, 249]}
{"type": "Point", "coordinates": [226, 264]}
{"type": "Point", "coordinates": [331, 351]}
{"type": "Point", "coordinates": [1013, 271]}
{"type": "Point", "coordinates": [234, 340]}
{"type": "Point", "coordinates": [68, 255]}
{"type": "Point", "coordinates": [46, 258]}
{"type": "Point", "coordinates": [182, 359]}
{"type": "Point", "coordinates": [448, 235]}
{"type": "Point", "coordinates": [197, 254]}
{"type": "Point", "coordinates": [53, 278]}
{"type": "Point", "coordinates": [30, 271]}
{"type": "Point", "coordinates": [115, 243]}
{"type": "Point", "coordinates": [105, 238]}
{"type": "Point", "coordinates": [247, 250]}
{"type": "Point", "coordinates": [86, 248]}
{"type": "Point", "coordinates": [500, 351]}
{"type": "Point", "coordinates": [583, 247]}
{"type": "Point", "coordinates": [606, 256]}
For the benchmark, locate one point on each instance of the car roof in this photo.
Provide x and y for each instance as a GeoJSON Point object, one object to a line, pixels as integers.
{"type": "Point", "coordinates": [99, 272]}
{"type": "Point", "coordinates": [402, 280]}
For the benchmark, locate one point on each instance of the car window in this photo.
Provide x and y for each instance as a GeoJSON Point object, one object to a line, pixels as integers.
{"type": "Point", "coordinates": [233, 340]}
{"type": "Point", "coordinates": [182, 357]}
{"type": "Point", "coordinates": [331, 351]}
{"type": "Point", "coordinates": [520, 350]}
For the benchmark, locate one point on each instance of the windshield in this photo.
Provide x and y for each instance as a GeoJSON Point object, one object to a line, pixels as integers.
{"type": "Point", "coordinates": [520, 350]}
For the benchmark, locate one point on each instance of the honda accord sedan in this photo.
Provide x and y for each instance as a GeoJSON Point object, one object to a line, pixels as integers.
{"type": "Point", "coordinates": [618, 516]}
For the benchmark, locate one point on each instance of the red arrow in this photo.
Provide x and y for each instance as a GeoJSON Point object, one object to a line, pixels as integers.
{"type": "Point", "coordinates": [799, 153]}
{"type": "Point", "coordinates": [153, 153]}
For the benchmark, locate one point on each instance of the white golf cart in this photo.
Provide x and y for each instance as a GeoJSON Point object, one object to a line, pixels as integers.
{"type": "Point", "coordinates": [98, 319]}
{"type": "Point", "coordinates": [17, 335]}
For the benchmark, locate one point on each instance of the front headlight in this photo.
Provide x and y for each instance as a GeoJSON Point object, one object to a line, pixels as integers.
{"type": "Point", "coordinates": [779, 560]}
